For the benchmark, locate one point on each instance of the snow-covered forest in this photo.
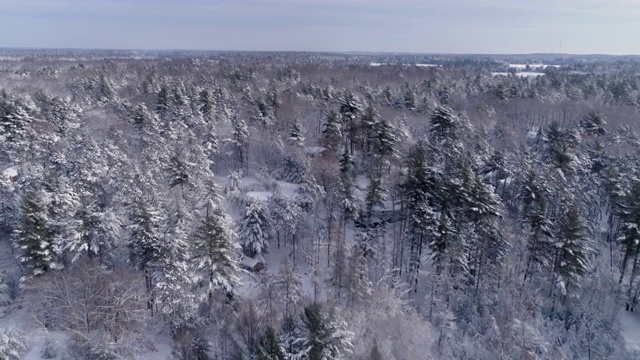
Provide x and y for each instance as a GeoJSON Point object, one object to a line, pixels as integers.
{"type": "Point", "coordinates": [309, 206]}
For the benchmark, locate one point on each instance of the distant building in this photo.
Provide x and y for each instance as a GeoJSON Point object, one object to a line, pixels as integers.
{"type": "Point", "coordinates": [253, 265]}
{"type": "Point", "coordinates": [10, 173]}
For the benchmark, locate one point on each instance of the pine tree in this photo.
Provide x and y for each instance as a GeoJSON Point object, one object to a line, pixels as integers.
{"type": "Point", "coordinates": [62, 202]}
{"type": "Point", "coordinates": [254, 229]}
{"type": "Point", "coordinates": [496, 167]}
{"type": "Point", "coordinates": [350, 108]}
{"type": "Point", "coordinates": [33, 237]}
{"type": "Point", "coordinates": [318, 336]}
{"type": "Point", "coordinates": [339, 273]}
{"type": "Point", "coordinates": [146, 245]}
{"type": "Point", "coordinates": [179, 171]}
{"type": "Point", "coordinates": [13, 343]}
{"type": "Point", "coordinates": [273, 97]}
{"type": "Point", "coordinates": [6, 297]}
{"type": "Point", "coordinates": [315, 327]}
{"type": "Point", "coordinates": [232, 191]}
{"type": "Point", "coordinates": [308, 194]}
{"type": "Point", "coordinates": [214, 252]}
{"type": "Point", "coordinates": [445, 125]}
{"type": "Point", "coordinates": [358, 286]}
{"type": "Point", "coordinates": [289, 283]}
{"type": "Point", "coordinates": [15, 123]}
{"type": "Point", "coordinates": [62, 113]}
{"type": "Point", "coordinates": [367, 125]}
{"type": "Point", "coordinates": [240, 136]}
{"type": "Point", "coordinates": [145, 238]}
{"type": "Point", "coordinates": [375, 354]}
{"type": "Point", "coordinates": [206, 105]}
{"type": "Point", "coordinates": [295, 135]}
{"type": "Point", "coordinates": [384, 139]}
{"type": "Point", "coordinates": [482, 210]}
{"type": "Point", "coordinates": [146, 126]}
{"type": "Point", "coordinates": [592, 123]}
{"type": "Point", "coordinates": [409, 100]}
{"type": "Point", "coordinates": [534, 215]}
{"type": "Point", "coordinates": [419, 188]}
{"type": "Point", "coordinates": [574, 250]}
{"type": "Point", "coordinates": [98, 230]}
{"type": "Point", "coordinates": [164, 102]}
{"type": "Point", "coordinates": [347, 180]}
{"type": "Point", "coordinates": [172, 278]}
{"type": "Point", "coordinates": [332, 132]}
{"type": "Point", "coordinates": [375, 194]}
{"type": "Point", "coordinates": [293, 339]}
{"type": "Point", "coordinates": [626, 206]}
{"type": "Point", "coordinates": [105, 89]}
{"type": "Point", "coordinates": [284, 214]}
{"type": "Point", "coordinates": [270, 347]}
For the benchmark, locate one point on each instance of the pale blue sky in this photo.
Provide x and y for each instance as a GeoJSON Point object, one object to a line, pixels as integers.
{"type": "Point", "coordinates": [428, 26]}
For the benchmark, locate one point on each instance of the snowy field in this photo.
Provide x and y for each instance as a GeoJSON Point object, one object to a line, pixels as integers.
{"type": "Point", "coordinates": [532, 66]}
{"type": "Point", "coordinates": [418, 65]}
{"type": "Point", "coordinates": [519, 74]}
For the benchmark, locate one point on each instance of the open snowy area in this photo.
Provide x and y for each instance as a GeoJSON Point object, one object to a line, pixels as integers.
{"type": "Point", "coordinates": [310, 206]}
{"type": "Point", "coordinates": [519, 73]}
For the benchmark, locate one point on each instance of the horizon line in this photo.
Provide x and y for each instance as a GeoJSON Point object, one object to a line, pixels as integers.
{"type": "Point", "coordinates": [350, 52]}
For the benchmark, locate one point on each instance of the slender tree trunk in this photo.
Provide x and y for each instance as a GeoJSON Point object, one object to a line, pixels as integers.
{"type": "Point", "coordinates": [418, 261]}
{"type": "Point", "coordinates": [478, 276]}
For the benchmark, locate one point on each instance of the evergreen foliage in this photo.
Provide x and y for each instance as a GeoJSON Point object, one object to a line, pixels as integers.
{"type": "Point", "coordinates": [33, 237]}
{"type": "Point", "coordinates": [214, 250]}
{"type": "Point", "coordinates": [254, 229]}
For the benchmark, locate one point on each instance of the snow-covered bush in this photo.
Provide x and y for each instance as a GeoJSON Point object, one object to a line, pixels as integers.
{"type": "Point", "coordinates": [13, 343]}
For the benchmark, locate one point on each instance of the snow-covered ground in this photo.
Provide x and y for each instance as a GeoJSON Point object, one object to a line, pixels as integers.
{"type": "Point", "coordinates": [630, 322]}
{"type": "Point", "coordinates": [532, 66]}
{"type": "Point", "coordinates": [418, 65]}
{"type": "Point", "coordinates": [521, 73]}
